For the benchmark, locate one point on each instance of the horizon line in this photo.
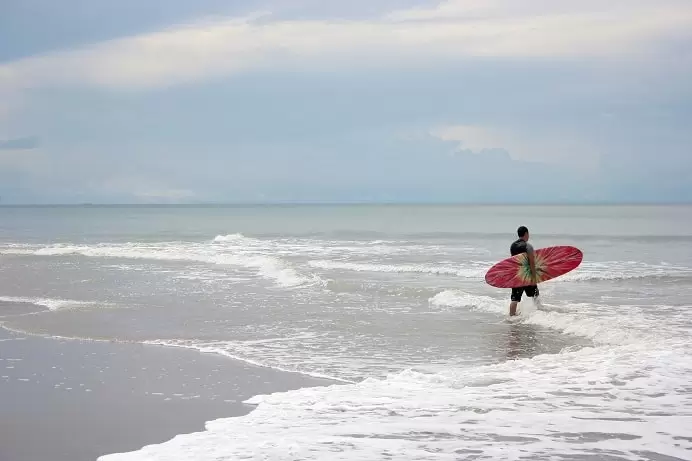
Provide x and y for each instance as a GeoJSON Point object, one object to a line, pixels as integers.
{"type": "Point", "coordinates": [335, 203]}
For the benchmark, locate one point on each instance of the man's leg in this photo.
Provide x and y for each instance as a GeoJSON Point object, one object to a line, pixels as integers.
{"type": "Point", "coordinates": [516, 297]}
{"type": "Point", "coordinates": [513, 308]}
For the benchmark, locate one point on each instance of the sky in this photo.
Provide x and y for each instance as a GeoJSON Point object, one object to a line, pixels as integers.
{"type": "Point", "coordinates": [493, 101]}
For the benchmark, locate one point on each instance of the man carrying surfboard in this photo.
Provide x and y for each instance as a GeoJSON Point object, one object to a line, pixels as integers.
{"type": "Point", "coordinates": [519, 246]}
{"type": "Point", "coordinates": [526, 268]}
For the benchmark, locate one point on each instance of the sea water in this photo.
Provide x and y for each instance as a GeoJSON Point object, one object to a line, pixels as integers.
{"type": "Point", "coordinates": [389, 301]}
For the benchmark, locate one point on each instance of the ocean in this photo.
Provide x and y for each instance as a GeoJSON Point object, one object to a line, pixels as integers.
{"type": "Point", "coordinates": [388, 303]}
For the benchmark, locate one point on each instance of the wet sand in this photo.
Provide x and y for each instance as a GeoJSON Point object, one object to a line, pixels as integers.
{"type": "Point", "coordinates": [71, 400]}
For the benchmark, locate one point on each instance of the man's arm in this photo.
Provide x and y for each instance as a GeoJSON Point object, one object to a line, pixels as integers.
{"type": "Point", "coordinates": [532, 262]}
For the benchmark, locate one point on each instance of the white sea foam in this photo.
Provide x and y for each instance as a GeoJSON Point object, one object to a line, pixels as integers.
{"type": "Point", "coordinates": [466, 272]}
{"type": "Point", "coordinates": [461, 299]}
{"type": "Point", "coordinates": [271, 268]}
{"type": "Point", "coordinates": [624, 270]}
{"type": "Point", "coordinates": [339, 248]}
{"type": "Point", "coordinates": [472, 269]}
{"type": "Point", "coordinates": [621, 401]}
{"type": "Point", "coordinates": [265, 265]}
{"type": "Point", "coordinates": [16, 251]}
{"type": "Point", "coordinates": [237, 237]}
{"type": "Point", "coordinates": [601, 324]}
{"type": "Point", "coordinates": [337, 354]}
{"type": "Point", "coordinates": [244, 351]}
{"type": "Point", "coordinates": [267, 258]}
{"type": "Point", "coordinates": [50, 303]}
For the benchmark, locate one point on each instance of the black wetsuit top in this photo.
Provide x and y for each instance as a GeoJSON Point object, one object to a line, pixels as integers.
{"type": "Point", "coordinates": [519, 246]}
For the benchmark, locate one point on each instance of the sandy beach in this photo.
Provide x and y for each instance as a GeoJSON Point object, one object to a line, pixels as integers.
{"type": "Point", "coordinates": [72, 400]}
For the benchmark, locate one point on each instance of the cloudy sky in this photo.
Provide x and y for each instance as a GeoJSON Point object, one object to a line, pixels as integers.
{"type": "Point", "coordinates": [325, 100]}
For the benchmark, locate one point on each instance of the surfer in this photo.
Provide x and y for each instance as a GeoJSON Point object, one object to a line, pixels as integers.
{"type": "Point", "coordinates": [522, 245]}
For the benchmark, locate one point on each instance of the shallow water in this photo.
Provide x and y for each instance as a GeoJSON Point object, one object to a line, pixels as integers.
{"type": "Point", "coordinates": [391, 301]}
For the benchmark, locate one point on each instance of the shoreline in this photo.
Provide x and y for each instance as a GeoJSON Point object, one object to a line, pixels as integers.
{"type": "Point", "coordinates": [84, 399]}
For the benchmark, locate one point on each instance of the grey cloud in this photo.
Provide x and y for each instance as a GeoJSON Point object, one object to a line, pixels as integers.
{"type": "Point", "coordinates": [489, 155]}
{"type": "Point", "coordinates": [348, 169]}
{"type": "Point", "coordinates": [342, 136]}
{"type": "Point", "coordinates": [19, 143]}
{"type": "Point", "coordinates": [73, 23]}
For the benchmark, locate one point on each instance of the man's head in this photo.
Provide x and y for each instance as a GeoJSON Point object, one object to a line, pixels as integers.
{"type": "Point", "coordinates": [523, 233]}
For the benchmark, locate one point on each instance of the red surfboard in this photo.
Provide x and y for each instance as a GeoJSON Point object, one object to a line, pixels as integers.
{"type": "Point", "coordinates": [551, 262]}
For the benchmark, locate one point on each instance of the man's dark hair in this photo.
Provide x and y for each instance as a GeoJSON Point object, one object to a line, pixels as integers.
{"type": "Point", "coordinates": [522, 231]}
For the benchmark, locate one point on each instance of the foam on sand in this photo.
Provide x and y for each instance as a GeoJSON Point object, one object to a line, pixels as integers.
{"type": "Point", "coordinates": [524, 409]}
{"type": "Point", "coordinates": [628, 397]}
{"type": "Point", "coordinates": [243, 351]}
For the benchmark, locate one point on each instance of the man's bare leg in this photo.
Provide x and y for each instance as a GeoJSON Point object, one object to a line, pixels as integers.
{"type": "Point", "coordinates": [513, 308]}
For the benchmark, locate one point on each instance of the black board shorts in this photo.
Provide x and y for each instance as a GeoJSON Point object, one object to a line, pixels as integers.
{"type": "Point", "coordinates": [530, 290]}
